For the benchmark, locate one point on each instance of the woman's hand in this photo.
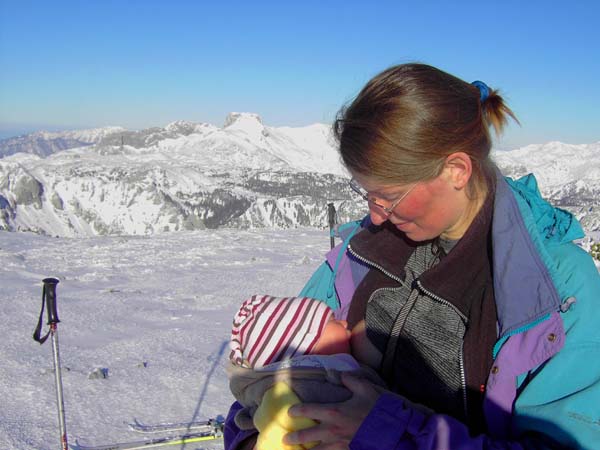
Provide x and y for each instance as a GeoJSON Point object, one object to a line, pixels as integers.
{"type": "Point", "coordinates": [339, 422]}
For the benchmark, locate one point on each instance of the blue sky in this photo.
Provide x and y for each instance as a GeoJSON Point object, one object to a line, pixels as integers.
{"type": "Point", "coordinates": [74, 64]}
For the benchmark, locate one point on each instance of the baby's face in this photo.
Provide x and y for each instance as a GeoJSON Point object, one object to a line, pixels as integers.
{"type": "Point", "coordinates": [334, 339]}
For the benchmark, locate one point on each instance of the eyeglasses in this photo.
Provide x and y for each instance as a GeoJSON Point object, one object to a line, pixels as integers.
{"type": "Point", "coordinates": [372, 201]}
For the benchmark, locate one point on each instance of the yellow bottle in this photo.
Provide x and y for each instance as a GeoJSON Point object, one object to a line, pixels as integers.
{"type": "Point", "coordinates": [273, 422]}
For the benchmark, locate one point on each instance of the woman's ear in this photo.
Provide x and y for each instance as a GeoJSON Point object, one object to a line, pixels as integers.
{"type": "Point", "coordinates": [459, 168]}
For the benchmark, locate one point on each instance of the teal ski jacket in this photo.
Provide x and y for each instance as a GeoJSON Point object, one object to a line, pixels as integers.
{"type": "Point", "coordinates": [545, 380]}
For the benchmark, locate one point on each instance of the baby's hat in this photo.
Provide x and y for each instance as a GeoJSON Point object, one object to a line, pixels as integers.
{"type": "Point", "coordinates": [270, 329]}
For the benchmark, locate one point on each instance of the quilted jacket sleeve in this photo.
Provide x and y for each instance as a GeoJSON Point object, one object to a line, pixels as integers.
{"type": "Point", "coordinates": [232, 435]}
{"type": "Point", "coordinates": [394, 425]}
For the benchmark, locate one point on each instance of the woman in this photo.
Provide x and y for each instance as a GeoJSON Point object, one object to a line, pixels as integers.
{"type": "Point", "coordinates": [480, 305]}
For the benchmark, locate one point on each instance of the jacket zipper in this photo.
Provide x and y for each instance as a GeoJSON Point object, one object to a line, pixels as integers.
{"type": "Point", "coordinates": [463, 377]}
{"type": "Point", "coordinates": [376, 266]}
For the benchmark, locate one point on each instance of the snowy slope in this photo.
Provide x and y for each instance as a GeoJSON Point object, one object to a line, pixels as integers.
{"type": "Point", "coordinates": [155, 311]}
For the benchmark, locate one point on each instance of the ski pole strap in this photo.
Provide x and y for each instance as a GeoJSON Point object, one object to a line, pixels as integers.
{"type": "Point", "coordinates": [49, 299]}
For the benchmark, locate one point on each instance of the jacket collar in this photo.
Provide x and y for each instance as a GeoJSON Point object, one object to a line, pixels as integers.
{"type": "Point", "coordinates": [523, 287]}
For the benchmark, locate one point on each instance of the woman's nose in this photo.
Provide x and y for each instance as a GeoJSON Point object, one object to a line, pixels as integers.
{"type": "Point", "coordinates": [377, 218]}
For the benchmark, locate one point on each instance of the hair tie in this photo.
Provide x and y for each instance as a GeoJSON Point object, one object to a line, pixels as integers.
{"type": "Point", "coordinates": [484, 90]}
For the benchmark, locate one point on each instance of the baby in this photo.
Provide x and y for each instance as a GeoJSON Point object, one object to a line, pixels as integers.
{"type": "Point", "coordinates": [286, 351]}
{"type": "Point", "coordinates": [268, 329]}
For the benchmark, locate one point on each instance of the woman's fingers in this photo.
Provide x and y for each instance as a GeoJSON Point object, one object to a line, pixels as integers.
{"type": "Point", "coordinates": [334, 430]}
{"type": "Point", "coordinates": [321, 412]}
{"type": "Point", "coordinates": [328, 437]}
{"type": "Point", "coordinates": [331, 446]}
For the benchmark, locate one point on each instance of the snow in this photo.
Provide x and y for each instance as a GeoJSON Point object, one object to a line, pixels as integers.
{"type": "Point", "coordinates": [153, 310]}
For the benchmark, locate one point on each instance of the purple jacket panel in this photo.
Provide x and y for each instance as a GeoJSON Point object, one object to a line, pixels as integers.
{"type": "Point", "coordinates": [389, 414]}
{"type": "Point", "coordinates": [409, 429]}
{"type": "Point", "coordinates": [523, 287]}
{"type": "Point", "coordinates": [406, 428]}
{"type": "Point", "coordinates": [349, 274]}
{"type": "Point", "coordinates": [520, 354]}
{"type": "Point", "coordinates": [232, 435]}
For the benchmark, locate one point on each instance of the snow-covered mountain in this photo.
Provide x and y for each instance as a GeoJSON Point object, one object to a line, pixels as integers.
{"type": "Point", "coordinates": [183, 176]}
{"type": "Point", "coordinates": [245, 174]}
{"type": "Point", "coordinates": [44, 143]}
{"type": "Point", "coordinates": [568, 175]}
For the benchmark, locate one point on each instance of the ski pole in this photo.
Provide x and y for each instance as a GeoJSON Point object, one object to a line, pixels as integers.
{"type": "Point", "coordinates": [49, 300]}
{"type": "Point", "coordinates": [331, 217]}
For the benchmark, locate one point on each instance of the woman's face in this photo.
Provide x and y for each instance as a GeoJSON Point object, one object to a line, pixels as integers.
{"type": "Point", "coordinates": [432, 208]}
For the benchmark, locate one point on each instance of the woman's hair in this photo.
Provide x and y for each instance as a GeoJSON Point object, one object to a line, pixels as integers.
{"type": "Point", "coordinates": [409, 118]}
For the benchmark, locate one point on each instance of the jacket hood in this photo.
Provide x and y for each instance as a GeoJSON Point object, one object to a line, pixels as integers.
{"type": "Point", "coordinates": [553, 224]}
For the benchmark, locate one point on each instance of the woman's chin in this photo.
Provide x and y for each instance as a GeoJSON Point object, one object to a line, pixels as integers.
{"type": "Point", "coordinates": [404, 226]}
{"type": "Point", "coordinates": [410, 230]}
{"type": "Point", "coordinates": [414, 233]}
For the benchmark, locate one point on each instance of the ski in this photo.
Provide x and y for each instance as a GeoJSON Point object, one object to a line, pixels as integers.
{"type": "Point", "coordinates": [193, 426]}
{"type": "Point", "coordinates": [154, 442]}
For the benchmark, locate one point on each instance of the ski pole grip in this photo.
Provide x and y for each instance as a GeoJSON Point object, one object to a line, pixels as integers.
{"type": "Point", "coordinates": [331, 214]}
{"type": "Point", "coordinates": [50, 292]}
{"type": "Point", "coordinates": [331, 217]}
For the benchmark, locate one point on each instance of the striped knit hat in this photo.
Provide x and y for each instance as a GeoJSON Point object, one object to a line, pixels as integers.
{"type": "Point", "coordinates": [270, 329]}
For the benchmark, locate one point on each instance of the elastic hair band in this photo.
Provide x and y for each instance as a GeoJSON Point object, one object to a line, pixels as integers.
{"type": "Point", "coordinates": [484, 90]}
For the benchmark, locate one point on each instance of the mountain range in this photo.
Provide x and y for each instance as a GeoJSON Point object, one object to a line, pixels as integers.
{"type": "Point", "coordinates": [113, 181]}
